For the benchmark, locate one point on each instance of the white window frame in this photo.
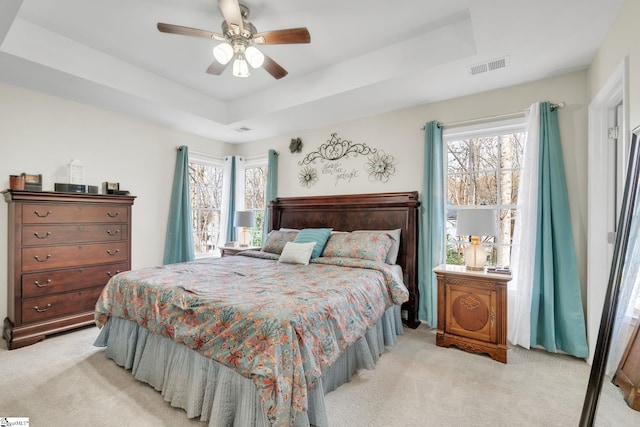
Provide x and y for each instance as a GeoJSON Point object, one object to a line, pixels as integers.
{"type": "Point", "coordinates": [242, 164]}
{"type": "Point", "coordinates": [487, 128]}
{"type": "Point", "coordinates": [217, 162]}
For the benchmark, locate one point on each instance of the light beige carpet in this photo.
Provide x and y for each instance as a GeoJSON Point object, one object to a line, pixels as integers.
{"type": "Point", "coordinates": [66, 381]}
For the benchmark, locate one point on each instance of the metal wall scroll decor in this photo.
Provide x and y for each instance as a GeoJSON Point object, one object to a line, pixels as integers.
{"type": "Point", "coordinates": [379, 166]}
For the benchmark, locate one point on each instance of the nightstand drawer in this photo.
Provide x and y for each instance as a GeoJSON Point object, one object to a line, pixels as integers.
{"type": "Point", "coordinates": [473, 314]}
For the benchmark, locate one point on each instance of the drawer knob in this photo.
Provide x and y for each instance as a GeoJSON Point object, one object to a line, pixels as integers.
{"type": "Point", "coordinates": [42, 310]}
{"type": "Point", "coordinates": [40, 285]}
{"type": "Point", "coordinates": [42, 260]}
{"type": "Point", "coordinates": [112, 253]}
{"type": "Point", "coordinates": [38, 214]}
{"type": "Point", "coordinates": [113, 233]}
{"type": "Point", "coordinates": [42, 237]}
{"type": "Point", "coordinates": [113, 215]}
{"type": "Point", "coordinates": [111, 274]}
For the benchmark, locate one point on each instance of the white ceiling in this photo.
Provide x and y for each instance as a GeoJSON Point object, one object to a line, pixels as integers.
{"type": "Point", "coordinates": [365, 57]}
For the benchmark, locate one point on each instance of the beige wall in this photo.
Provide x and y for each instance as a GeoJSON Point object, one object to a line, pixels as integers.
{"type": "Point", "coordinates": [41, 133]}
{"type": "Point", "coordinates": [621, 42]}
{"type": "Point", "coordinates": [398, 133]}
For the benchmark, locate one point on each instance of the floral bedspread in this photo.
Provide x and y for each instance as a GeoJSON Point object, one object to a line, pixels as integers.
{"type": "Point", "coordinates": [278, 324]}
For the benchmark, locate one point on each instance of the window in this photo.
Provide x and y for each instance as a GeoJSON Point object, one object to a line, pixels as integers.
{"type": "Point", "coordinates": [205, 182]}
{"type": "Point", "coordinates": [253, 186]}
{"type": "Point", "coordinates": [483, 169]}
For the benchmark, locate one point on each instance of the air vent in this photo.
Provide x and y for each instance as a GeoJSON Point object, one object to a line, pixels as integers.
{"type": "Point", "coordinates": [242, 129]}
{"type": "Point", "coordinates": [494, 64]}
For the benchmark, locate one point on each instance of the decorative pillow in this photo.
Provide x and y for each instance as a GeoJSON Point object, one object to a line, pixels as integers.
{"type": "Point", "coordinates": [275, 241]}
{"type": "Point", "coordinates": [392, 256]}
{"type": "Point", "coordinates": [297, 253]}
{"type": "Point", "coordinates": [362, 244]}
{"type": "Point", "coordinates": [318, 235]}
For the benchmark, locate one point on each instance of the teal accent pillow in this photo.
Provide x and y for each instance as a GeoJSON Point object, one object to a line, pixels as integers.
{"type": "Point", "coordinates": [318, 235]}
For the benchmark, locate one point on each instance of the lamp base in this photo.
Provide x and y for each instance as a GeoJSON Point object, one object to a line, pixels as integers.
{"type": "Point", "coordinates": [244, 233]}
{"type": "Point", "coordinates": [475, 256]}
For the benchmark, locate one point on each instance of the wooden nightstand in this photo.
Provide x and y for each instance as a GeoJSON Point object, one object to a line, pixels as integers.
{"type": "Point", "coordinates": [233, 250]}
{"type": "Point", "coordinates": [472, 310]}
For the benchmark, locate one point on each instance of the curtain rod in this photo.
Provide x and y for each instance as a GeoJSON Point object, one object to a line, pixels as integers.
{"type": "Point", "coordinates": [491, 118]}
{"type": "Point", "coordinates": [200, 154]}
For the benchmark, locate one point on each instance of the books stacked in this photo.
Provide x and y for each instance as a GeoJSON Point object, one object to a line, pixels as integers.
{"type": "Point", "coordinates": [497, 269]}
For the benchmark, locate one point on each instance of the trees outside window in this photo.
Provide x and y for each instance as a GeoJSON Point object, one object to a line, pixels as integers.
{"type": "Point", "coordinates": [255, 184]}
{"type": "Point", "coordinates": [483, 168]}
{"type": "Point", "coordinates": [205, 182]}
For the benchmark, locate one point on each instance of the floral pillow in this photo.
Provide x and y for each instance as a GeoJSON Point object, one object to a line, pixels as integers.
{"type": "Point", "coordinates": [362, 245]}
{"type": "Point", "coordinates": [275, 241]}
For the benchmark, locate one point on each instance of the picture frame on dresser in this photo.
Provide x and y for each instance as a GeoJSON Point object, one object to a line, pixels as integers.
{"type": "Point", "coordinates": [62, 250]}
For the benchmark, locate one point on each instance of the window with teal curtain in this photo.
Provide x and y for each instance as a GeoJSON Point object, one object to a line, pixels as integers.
{"type": "Point", "coordinates": [272, 188]}
{"type": "Point", "coordinates": [431, 227]}
{"type": "Point", "coordinates": [557, 318]}
{"type": "Point", "coordinates": [179, 243]}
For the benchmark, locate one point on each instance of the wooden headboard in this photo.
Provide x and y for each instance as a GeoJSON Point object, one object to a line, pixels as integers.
{"type": "Point", "coordinates": [380, 211]}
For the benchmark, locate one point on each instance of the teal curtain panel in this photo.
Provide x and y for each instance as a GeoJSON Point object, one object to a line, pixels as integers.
{"type": "Point", "coordinates": [557, 317]}
{"type": "Point", "coordinates": [179, 245]}
{"type": "Point", "coordinates": [231, 228]}
{"type": "Point", "coordinates": [271, 191]}
{"type": "Point", "coordinates": [431, 227]}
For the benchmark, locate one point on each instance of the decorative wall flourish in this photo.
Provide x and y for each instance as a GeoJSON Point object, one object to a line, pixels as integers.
{"type": "Point", "coordinates": [336, 156]}
{"type": "Point", "coordinates": [335, 149]}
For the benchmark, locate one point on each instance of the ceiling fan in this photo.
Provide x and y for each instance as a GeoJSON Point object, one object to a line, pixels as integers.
{"type": "Point", "coordinates": [238, 36]}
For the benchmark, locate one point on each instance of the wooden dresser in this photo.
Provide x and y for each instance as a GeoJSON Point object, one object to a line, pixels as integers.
{"type": "Point", "coordinates": [63, 248]}
{"type": "Point", "coordinates": [472, 310]}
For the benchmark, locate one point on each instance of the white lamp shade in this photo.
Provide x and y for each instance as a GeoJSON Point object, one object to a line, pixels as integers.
{"type": "Point", "coordinates": [223, 53]}
{"type": "Point", "coordinates": [254, 57]}
{"type": "Point", "coordinates": [240, 66]}
{"type": "Point", "coordinates": [245, 219]}
{"type": "Point", "coordinates": [477, 222]}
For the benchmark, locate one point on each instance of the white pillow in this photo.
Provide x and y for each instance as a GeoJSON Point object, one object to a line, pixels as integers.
{"type": "Point", "coordinates": [297, 253]}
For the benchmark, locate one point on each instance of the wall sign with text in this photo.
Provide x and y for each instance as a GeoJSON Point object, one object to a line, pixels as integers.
{"type": "Point", "coordinates": [340, 161]}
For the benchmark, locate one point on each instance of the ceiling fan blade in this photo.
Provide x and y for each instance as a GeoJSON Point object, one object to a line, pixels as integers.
{"type": "Point", "coordinates": [217, 68]}
{"type": "Point", "coordinates": [273, 68]}
{"type": "Point", "coordinates": [188, 31]}
{"type": "Point", "coordinates": [231, 11]}
{"type": "Point", "coordinates": [288, 36]}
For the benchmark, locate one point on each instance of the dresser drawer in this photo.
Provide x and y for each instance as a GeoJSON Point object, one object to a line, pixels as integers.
{"type": "Point", "coordinates": [50, 234]}
{"type": "Point", "coordinates": [72, 213]}
{"type": "Point", "coordinates": [44, 308]}
{"type": "Point", "coordinates": [51, 282]}
{"type": "Point", "coordinates": [50, 257]}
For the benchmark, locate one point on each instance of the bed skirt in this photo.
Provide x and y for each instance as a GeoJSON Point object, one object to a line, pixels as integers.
{"type": "Point", "coordinates": [217, 394]}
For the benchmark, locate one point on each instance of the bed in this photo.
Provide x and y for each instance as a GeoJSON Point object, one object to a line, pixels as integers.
{"type": "Point", "coordinates": [251, 340]}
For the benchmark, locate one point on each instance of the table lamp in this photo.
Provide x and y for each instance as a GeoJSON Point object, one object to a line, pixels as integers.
{"type": "Point", "coordinates": [244, 219]}
{"type": "Point", "coordinates": [476, 223]}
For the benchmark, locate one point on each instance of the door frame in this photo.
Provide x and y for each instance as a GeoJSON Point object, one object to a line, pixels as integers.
{"type": "Point", "coordinates": [599, 250]}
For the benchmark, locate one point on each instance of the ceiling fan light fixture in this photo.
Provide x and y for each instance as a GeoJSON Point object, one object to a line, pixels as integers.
{"type": "Point", "coordinates": [223, 53]}
{"type": "Point", "coordinates": [240, 66]}
{"type": "Point", "coordinates": [254, 57]}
